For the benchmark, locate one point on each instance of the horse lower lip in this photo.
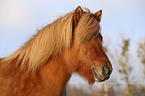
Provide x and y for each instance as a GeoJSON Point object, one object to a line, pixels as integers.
{"type": "Point", "coordinates": [99, 77]}
{"type": "Point", "coordinates": [96, 75]}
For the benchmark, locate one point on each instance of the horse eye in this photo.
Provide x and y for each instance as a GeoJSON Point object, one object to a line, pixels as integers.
{"type": "Point", "coordinates": [101, 38]}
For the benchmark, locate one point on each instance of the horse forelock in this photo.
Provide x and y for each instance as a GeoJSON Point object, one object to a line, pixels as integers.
{"type": "Point", "coordinates": [87, 27]}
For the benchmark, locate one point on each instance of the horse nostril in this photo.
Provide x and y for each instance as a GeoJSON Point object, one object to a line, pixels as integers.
{"type": "Point", "coordinates": [105, 70]}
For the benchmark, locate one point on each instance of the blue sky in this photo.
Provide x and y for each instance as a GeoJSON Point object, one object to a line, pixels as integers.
{"type": "Point", "coordinates": [19, 20]}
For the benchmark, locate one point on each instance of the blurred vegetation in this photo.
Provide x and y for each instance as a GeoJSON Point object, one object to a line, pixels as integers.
{"type": "Point", "coordinates": [85, 90]}
{"type": "Point", "coordinates": [125, 68]}
{"type": "Point", "coordinates": [141, 52]}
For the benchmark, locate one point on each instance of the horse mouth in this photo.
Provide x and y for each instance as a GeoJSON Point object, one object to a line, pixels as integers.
{"type": "Point", "coordinates": [98, 77]}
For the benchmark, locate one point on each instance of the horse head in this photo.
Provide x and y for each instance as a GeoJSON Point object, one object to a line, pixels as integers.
{"type": "Point", "coordinates": [86, 55]}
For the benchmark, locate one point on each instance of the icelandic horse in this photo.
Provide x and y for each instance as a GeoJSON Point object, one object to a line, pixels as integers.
{"type": "Point", "coordinates": [45, 63]}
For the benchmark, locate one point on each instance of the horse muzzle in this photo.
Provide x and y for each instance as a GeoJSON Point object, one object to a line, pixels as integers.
{"type": "Point", "coordinates": [101, 73]}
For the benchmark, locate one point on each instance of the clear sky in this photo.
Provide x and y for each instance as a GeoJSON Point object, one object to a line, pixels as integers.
{"type": "Point", "coordinates": [19, 19]}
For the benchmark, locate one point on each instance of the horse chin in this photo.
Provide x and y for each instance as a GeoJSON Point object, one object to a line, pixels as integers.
{"type": "Point", "coordinates": [98, 77]}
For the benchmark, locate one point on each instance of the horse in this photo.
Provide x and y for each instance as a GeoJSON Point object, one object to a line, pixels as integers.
{"type": "Point", "coordinates": [46, 62]}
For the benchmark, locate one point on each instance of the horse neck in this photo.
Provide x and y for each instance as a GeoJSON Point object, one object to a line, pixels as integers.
{"type": "Point", "coordinates": [55, 75]}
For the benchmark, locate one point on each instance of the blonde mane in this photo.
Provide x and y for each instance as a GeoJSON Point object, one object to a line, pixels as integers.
{"type": "Point", "coordinates": [53, 39]}
{"type": "Point", "coordinates": [49, 41]}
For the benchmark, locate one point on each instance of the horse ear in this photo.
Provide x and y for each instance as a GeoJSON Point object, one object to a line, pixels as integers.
{"type": "Point", "coordinates": [77, 15]}
{"type": "Point", "coordinates": [98, 15]}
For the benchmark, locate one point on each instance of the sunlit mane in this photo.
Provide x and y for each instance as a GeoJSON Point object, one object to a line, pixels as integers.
{"type": "Point", "coordinates": [49, 41]}
{"type": "Point", "coordinates": [53, 39]}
